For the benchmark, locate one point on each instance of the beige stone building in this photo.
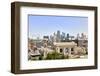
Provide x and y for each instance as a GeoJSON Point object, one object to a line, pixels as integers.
{"type": "Point", "coordinates": [70, 49]}
{"type": "Point", "coordinates": [65, 47]}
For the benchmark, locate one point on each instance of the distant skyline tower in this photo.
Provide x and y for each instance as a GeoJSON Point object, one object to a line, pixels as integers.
{"type": "Point", "coordinates": [78, 36]}
{"type": "Point", "coordinates": [83, 36]}
{"type": "Point", "coordinates": [58, 33]}
{"type": "Point", "coordinates": [38, 38]}
{"type": "Point", "coordinates": [51, 38]}
{"type": "Point", "coordinates": [54, 37]}
{"type": "Point", "coordinates": [68, 36]}
{"type": "Point", "coordinates": [58, 36]}
{"type": "Point", "coordinates": [63, 35]}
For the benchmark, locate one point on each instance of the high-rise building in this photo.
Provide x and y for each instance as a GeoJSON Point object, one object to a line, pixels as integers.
{"type": "Point", "coordinates": [63, 36]}
{"type": "Point", "coordinates": [58, 36]}
{"type": "Point", "coordinates": [82, 35]}
{"type": "Point", "coordinates": [68, 36]}
{"type": "Point", "coordinates": [51, 39]}
{"type": "Point", "coordinates": [54, 37]}
{"type": "Point", "coordinates": [72, 37]}
{"type": "Point", "coordinates": [78, 36]}
{"type": "Point", "coordinates": [82, 41]}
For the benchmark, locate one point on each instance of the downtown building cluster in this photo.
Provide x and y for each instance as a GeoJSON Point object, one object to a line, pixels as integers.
{"type": "Point", "coordinates": [61, 43]}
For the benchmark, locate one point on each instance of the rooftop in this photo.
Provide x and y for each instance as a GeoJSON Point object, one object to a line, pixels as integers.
{"type": "Point", "coordinates": [65, 44]}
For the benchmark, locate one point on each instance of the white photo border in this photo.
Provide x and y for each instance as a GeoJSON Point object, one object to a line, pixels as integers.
{"type": "Point", "coordinates": [25, 64]}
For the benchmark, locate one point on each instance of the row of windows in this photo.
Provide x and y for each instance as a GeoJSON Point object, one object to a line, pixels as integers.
{"type": "Point", "coordinates": [66, 50]}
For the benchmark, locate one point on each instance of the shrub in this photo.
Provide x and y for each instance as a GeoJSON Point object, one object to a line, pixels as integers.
{"type": "Point", "coordinates": [55, 55]}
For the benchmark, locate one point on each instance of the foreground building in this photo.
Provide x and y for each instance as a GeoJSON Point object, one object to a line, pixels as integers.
{"type": "Point", "coordinates": [65, 47]}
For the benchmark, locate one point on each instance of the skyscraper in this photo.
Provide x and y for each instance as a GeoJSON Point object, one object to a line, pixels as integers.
{"type": "Point", "coordinates": [78, 36]}
{"type": "Point", "coordinates": [58, 36]}
{"type": "Point", "coordinates": [67, 36]}
{"type": "Point", "coordinates": [63, 36]}
{"type": "Point", "coordinates": [54, 37]}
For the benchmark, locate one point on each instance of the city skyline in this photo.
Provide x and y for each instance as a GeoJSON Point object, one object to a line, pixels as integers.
{"type": "Point", "coordinates": [40, 26]}
{"type": "Point", "coordinates": [62, 35]}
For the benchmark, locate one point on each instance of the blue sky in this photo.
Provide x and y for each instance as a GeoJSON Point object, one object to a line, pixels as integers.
{"type": "Point", "coordinates": [40, 25]}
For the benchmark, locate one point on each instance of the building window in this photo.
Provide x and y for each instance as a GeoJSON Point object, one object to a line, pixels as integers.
{"type": "Point", "coordinates": [61, 50]}
{"type": "Point", "coordinates": [72, 49]}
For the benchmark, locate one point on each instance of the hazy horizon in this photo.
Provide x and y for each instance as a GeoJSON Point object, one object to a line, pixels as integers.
{"type": "Point", "coordinates": [40, 25]}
